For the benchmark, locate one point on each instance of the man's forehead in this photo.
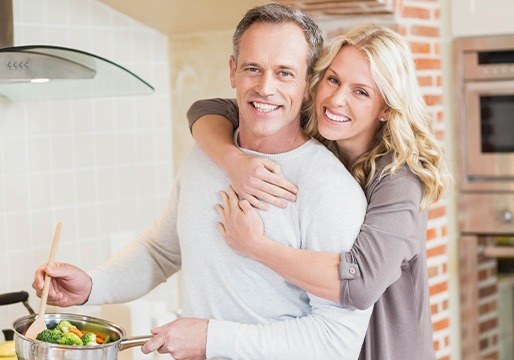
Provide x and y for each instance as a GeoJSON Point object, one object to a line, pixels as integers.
{"type": "Point", "coordinates": [282, 45]}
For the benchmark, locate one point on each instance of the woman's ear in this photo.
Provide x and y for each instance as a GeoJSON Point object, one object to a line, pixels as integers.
{"type": "Point", "coordinates": [384, 114]}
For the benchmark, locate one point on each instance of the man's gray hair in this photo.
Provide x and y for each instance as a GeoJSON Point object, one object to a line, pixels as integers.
{"type": "Point", "coordinates": [274, 13]}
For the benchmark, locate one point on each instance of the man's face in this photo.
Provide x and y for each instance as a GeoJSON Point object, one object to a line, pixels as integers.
{"type": "Point", "coordinates": [270, 82]}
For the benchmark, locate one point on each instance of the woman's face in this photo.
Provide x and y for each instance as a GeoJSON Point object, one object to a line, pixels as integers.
{"type": "Point", "coordinates": [349, 104]}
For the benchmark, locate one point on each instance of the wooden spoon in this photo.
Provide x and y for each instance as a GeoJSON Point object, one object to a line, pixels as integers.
{"type": "Point", "coordinates": [39, 324]}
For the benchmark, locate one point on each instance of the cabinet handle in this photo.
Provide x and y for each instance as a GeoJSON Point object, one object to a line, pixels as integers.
{"type": "Point", "coordinates": [506, 216]}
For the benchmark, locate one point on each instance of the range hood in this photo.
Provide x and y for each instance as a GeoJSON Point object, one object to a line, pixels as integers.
{"type": "Point", "coordinates": [43, 72]}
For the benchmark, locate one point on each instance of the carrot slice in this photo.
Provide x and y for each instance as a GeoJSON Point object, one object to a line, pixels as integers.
{"type": "Point", "coordinates": [76, 332]}
{"type": "Point", "coordinates": [99, 340]}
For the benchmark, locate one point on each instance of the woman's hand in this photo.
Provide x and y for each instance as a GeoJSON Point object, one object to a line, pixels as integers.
{"type": "Point", "coordinates": [240, 224]}
{"type": "Point", "coordinates": [260, 181]}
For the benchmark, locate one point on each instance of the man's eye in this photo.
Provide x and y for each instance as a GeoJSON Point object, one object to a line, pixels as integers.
{"type": "Point", "coordinates": [284, 73]}
{"type": "Point", "coordinates": [252, 69]}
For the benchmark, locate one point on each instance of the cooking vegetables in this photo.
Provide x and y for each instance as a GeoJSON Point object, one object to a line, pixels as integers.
{"type": "Point", "coordinates": [66, 333]}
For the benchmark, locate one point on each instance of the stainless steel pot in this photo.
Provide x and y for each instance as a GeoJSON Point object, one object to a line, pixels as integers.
{"type": "Point", "coordinates": [30, 349]}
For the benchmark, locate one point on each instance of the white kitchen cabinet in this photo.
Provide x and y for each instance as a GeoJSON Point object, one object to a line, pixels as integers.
{"type": "Point", "coordinates": [482, 17]}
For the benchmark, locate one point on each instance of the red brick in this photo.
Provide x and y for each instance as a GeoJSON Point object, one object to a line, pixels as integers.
{"type": "Point", "coordinates": [444, 231]}
{"type": "Point", "coordinates": [427, 64]}
{"type": "Point", "coordinates": [425, 81]}
{"type": "Point", "coordinates": [488, 325]}
{"type": "Point", "coordinates": [434, 309]}
{"type": "Point", "coordinates": [439, 81]}
{"type": "Point", "coordinates": [439, 135]}
{"type": "Point", "coordinates": [431, 31]}
{"type": "Point", "coordinates": [487, 307]}
{"type": "Point", "coordinates": [431, 234]}
{"type": "Point", "coordinates": [433, 99]}
{"type": "Point", "coordinates": [415, 12]}
{"type": "Point", "coordinates": [436, 212]}
{"type": "Point", "coordinates": [437, 14]}
{"type": "Point", "coordinates": [441, 324]}
{"type": "Point", "coordinates": [432, 271]}
{"type": "Point", "coordinates": [488, 290]}
{"type": "Point", "coordinates": [419, 47]}
{"type": "Point", "coordinates": [445, 305]}
{"type": "Point", "coordinates": [436, 345]}
{"type": "Point", "coordinates": [439, 250]}
{"type": "Point", "coordinates": [438, 288]}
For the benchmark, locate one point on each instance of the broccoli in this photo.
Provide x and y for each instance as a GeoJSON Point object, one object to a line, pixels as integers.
{"type": "Point", "coordinates": [51, 336]}
{"type": "Point", "coordinates": [89, 339]}
{"type": "Point", "coordinates": [70, 339]}
{"type": "Point", "coordinates": [64, 326]}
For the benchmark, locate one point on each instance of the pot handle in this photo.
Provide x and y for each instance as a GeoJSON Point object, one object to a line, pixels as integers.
{"type": "Point", "coordinates": [134, 341]}
{"type": "Point", "coordinates": [15, 297]}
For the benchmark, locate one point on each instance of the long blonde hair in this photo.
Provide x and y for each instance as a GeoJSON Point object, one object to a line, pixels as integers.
{"type": "Point", "coordinates": [408, 133]}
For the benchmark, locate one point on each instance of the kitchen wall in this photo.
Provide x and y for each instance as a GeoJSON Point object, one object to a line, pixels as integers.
{"type": "Point", "coordinates": [193, 78]}
{"type": "Point", "coordinates": [102, 166]}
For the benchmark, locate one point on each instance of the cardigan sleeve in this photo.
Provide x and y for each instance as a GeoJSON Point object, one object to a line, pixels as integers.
{"type": "Point", "coordinates": [393, 233]}
{"type": "Point", "coordinates": [224, 107]}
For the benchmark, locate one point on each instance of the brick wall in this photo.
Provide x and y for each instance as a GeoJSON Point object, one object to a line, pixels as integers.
{"type": "Point", "coordinates": [419, 21]}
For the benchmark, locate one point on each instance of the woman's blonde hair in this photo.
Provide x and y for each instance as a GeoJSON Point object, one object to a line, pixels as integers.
{"type": "Point", "coordinates": [408, 133]}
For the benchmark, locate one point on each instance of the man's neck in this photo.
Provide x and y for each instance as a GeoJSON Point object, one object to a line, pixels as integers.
{"type": "Point", "coordinates": [273, 144]}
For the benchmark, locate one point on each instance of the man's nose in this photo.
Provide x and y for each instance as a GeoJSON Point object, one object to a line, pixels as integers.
{"type": "Point", "coordinates": [266, 85]}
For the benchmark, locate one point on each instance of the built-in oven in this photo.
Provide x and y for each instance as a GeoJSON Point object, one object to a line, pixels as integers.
{"type": "Point", "coordinates": [484, 83]}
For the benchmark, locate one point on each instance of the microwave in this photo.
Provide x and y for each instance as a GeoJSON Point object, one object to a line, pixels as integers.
{"type": "Point", "coordinates": [485, 116]}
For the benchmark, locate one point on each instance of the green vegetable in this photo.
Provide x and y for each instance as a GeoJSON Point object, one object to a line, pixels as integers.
{"type": "Point", "coordinates": [51, 336]}
{"type": "Point", "coordinates": [89, 339]}
{"type": "Point", "coordinates": [64, 326]}
{"type": "Point", "coordinates": [70, 339]}
{"type": "Point", "coordinates": [107, 339]}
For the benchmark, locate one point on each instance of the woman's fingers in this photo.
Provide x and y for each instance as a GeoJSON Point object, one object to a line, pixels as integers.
{"type": "Point", "coordinates": [221, 212]}
{"type": "Point", "coordinates": [233, 200]}
{"type": "Point", "coordinates": [256, 203]}
{"type": "Point", "coordinates": [275, 177]}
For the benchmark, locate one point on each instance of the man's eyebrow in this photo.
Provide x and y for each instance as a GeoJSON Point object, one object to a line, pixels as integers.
{"type": "Point", "coordinates": [357, 84]}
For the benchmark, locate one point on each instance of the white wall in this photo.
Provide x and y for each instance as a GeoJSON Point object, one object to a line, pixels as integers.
{"type": "Point", "coordinates": [100, 166]}
{"type": "Point", "coordinates": [199, 70]}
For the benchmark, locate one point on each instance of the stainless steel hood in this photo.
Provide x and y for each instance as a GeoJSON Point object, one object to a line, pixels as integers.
{"type": "Point", "coordinates": [43, 72]}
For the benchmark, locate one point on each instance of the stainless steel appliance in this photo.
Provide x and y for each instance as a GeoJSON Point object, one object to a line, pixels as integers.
{"type": "Point", "coordinates": [484, 80]}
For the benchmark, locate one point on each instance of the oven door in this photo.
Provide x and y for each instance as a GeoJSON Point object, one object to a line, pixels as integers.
{"type": "Point", "coordinates": [490, 129]}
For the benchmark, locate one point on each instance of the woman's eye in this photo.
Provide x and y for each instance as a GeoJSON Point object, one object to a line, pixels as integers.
{"type": "Point", "coordinates": [361, 92]}
{"type": "Point", "coordinates": [333, 80]}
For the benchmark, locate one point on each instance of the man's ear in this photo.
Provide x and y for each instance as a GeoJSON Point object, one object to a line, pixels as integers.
{"type": "Point", "coordinates": [233, 66]}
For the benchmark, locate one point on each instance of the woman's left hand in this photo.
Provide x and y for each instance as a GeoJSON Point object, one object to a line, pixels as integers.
{"type": "Point", "coordinates": [240, 224]}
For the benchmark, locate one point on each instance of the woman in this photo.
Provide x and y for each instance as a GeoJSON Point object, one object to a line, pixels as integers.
{"type": "Point", "coordinates": [394, 157]}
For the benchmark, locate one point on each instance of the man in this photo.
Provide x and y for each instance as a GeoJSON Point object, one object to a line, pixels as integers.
{"type": "Point", "coordinates": [254, 312]}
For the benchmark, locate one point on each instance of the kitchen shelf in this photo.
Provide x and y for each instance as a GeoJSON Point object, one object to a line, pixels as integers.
{"type": "Point", "coordinates": [499, 251]}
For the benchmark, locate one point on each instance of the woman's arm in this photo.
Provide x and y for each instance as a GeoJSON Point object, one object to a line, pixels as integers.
{"type": "Point", "coordinates": [258, 180]}
{"type": "Point", "coordinates": [392, 232]}
{"type": "Point", "coordinates": [242, 227]}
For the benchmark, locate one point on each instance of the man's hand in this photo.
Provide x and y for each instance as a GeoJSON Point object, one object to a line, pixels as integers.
{"type": "Point", "coordinates": [69, 286]}
{"type": "Point", "coordinates": [260, 181]}
{"type": "Point", "coordinates": [184, 339]}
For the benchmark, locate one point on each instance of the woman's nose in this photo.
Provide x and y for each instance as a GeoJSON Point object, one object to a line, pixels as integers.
{"type": "Point", "coordinates": [339, 97]}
